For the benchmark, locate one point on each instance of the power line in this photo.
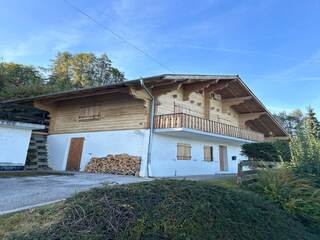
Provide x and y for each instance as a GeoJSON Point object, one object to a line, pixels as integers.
{"type": "Point", "coordinates": [117, 35]}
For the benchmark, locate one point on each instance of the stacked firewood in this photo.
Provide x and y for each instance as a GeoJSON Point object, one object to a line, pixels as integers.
{"type": "Point", "coordinates": [123, 164]}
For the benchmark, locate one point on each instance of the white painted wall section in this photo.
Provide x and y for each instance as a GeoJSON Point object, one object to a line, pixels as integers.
{"type": "Point", "coordinates": [164, 162]}
{"type": "Point", "coordinates": [14, 142]}
{"type": "Point", "coordinates": [98, 144]}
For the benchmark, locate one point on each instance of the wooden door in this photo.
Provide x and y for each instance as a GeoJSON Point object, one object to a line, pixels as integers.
{"type": "Point", "coordinates": [75, 153]}
{"type": "Point", "coordinates": [223, 157]}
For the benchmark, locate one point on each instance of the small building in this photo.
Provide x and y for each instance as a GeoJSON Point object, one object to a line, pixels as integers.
{"type": "Point", "coordinates": [178, 124]}
{"type": "Point", "coordinates": [14, 143]}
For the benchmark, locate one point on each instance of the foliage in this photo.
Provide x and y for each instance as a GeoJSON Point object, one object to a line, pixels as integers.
{"type": "Point", "coordinates": [264, 151]}
{"type": "Point", "coordinates": [297, 195]}
{"type": "Point", "coordinates": [171, 210]}
{"type": "Point", "coordinates": [311, 123]}
{"type": "Point", "coordinates": [290, 121]}
{"type": "Point", "coordinates": [305, 150]}
{"type": "Point", "coordinates": [283, 149]}
{"type": "Point", "coordinates": [17, 81]}
{"type": "Point", "coordinates": [68, 71]}
{"type": "Point", "coordinates": [83, 70]}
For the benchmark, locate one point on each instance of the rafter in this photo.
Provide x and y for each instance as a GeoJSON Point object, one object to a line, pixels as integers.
{"type": "Point", "coordinates": [243, 118]}
{"type": "Point", "coordinates": [161, 90]}
{"type": "Point", "coordinates": [230, 102]}
{"type": "Point", "coordinates": [193, 87]}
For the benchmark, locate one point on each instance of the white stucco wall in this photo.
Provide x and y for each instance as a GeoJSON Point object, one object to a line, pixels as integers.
{"type": "Point", "coordinates": [135, 142]}
{"type": "Point", "coordinates": [164, 161]}
{"type": "Point", "coordinates": [14, 143]}
{"type": "Point", "coordinates": [98, 144]}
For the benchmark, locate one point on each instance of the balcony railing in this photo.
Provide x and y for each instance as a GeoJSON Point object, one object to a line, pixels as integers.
{"type": "Point", "coordinates": [182, 120]}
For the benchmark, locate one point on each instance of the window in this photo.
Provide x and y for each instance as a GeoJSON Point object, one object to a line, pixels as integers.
{"type": "Point", "coordinates": [208, 153]}
{"type": "Point", "coordinates": [89, 113]}
{"type": "Point", "coordinates": [183, 151]}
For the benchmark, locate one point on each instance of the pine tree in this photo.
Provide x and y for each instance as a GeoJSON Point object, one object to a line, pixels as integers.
{"type": "Point", "coordinates": [312, 124]}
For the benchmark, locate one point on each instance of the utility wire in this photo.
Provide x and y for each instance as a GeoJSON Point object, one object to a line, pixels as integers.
{"type": "Point", "coordinates": [117, 35]}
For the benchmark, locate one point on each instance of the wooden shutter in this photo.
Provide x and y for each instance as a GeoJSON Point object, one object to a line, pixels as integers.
{"type": "Point", "coordinates": [208, 153]}
{"type": "Point", "coordinates": [89, 113]}
{"type": "Point", "coordinates": [183, 151]}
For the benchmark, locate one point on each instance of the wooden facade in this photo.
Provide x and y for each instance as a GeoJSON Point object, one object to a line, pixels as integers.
{"type": "Point", "coordinates": [97, 113]}
{"type": "Point", "coordinates": [217, 104]}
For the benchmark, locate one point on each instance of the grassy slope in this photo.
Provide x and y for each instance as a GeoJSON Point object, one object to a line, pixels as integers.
{"type": "Point", "coordinates": [159, 210]}
{"type": "Point", "coordinates": [25, 221]}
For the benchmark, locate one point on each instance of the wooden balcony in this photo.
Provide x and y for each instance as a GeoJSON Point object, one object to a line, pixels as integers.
{"type": "Point", "coordinates": [182, 120]}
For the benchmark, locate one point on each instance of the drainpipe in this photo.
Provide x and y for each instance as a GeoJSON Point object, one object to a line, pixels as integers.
{"type": "Point", "coordinates": [152, 107]}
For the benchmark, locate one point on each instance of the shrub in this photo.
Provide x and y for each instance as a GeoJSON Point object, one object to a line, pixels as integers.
{"type": "Point", "coordinates": [305, 151]}
{"type": "Point", "coordinates": [297, 195]}
{"type": "Point", "coordinates": [263, 151]}
{"type": "Point", "coordinates": [283, 149]}
{"type": "Point", "coordinates": [172, 210]}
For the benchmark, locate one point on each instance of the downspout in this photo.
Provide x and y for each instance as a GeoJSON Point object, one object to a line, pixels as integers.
{"type": "Point", "coordinates": [152, 108]}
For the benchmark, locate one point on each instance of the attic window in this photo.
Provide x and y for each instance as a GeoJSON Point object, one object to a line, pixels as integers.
{"type": "Point", "coordinates": [88, 113]}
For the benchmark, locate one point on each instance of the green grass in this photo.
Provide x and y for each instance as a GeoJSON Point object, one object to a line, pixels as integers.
{"type": "Point", "coordinates": [227, 182]}
{"type": "Point", "coordinates": [26, 221]}
{"type": "Point", "coordinates": [30, 173]}
{"type": "Point", "coordinates": [161, 209]}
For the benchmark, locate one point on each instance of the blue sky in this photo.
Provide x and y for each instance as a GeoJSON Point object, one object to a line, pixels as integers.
{"type": "Point", "coordinates": [273, 45]}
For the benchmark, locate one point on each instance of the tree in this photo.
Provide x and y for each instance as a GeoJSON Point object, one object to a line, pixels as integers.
{"type": "Point", "coordinates": [290, 122]}
{"type": "Point", "coordinates": [18, 80]}
{"type": "Point", "coordinates": [61, 71]}
{"type": "Point", "coordinates": [312, 124]}
{"type": "Point", "coordinates": [83, 70]}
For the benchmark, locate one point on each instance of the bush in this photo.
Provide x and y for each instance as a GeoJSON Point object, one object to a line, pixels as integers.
{"type": "Point", "coordinates": [171, 210]}
{"type": "Point", "coordinates": [263, 151]}
{"type": "Point", "coordinates": [283, 149]}
{"type": "Point", "coordinates": [299, 196]}
{"type": "Point", "coordinates": [305, 150]}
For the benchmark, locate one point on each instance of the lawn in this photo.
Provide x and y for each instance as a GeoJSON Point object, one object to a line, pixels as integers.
{"type": "Point", "coordinates": [161, 209]}
{"type": "Point", "coordinates": [25, 221]}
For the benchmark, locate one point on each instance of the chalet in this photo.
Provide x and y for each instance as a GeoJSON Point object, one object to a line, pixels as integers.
{"type": "Point", "coordinates": [178, 124]}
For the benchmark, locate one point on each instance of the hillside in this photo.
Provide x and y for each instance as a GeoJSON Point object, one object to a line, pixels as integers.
{"type": "Point", "coordinates": [168, 210]}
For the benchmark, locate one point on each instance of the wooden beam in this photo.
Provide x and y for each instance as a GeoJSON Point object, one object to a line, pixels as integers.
{"type": "Point", "coordinates": [206, 96]}
{"type": "Point", "coordinates": [76, 95]}
{"type": "Point", "coordinates": [157, 91]}
{"type": "Point", "coordinates": [230, 102]}
{"type": "Point", "coordinates": [219, 86]}
{"type": "Point", "coordinates": [140, 93]}
{"type": "Point", "coordinates": [193, 87]}
{"type": "Point", "coordinates": [243, 118]}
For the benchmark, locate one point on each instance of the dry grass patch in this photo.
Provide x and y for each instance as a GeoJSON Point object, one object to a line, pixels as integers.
{"type": "Point", "coordinates": [29, 220]}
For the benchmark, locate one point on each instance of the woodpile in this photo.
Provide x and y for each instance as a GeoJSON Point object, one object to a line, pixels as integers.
{"type": "Point", "coordinates": [123, 164]}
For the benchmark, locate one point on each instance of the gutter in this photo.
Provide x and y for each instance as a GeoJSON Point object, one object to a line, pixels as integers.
{"type": "Point", "coordinates": [152, 110]}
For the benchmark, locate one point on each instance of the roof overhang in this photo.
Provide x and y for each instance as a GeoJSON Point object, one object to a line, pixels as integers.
{"type": "Point", "coordinates": [248, 104]}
